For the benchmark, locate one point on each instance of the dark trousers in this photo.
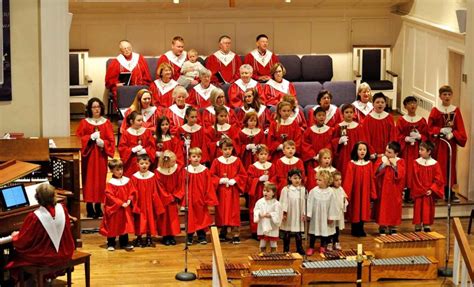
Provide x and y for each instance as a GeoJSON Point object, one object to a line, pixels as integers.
{"type": "Point", "coordinates": [123, 240]}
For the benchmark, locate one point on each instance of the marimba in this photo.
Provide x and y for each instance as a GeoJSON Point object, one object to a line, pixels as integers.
{"type": "Point", "coordinates": [233, 270]}
{"type": "Point", "coordinates": [264, 261]}
{"type": "Point", "coordinates": [338, 270]}
{"type": "Point", "coordinates": [350, 254]}
{"type": "Point", "coordinates": [409, 267]}
{"type": "Point", "coordinates": [273, 277]}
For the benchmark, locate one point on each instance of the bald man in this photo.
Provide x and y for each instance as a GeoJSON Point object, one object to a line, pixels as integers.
{"type": "Point", "coordinates": [261, 59]}
{"type": "Point", "coordinates": [224, 64]}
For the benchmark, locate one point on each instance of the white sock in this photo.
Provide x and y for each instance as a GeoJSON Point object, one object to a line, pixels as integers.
{"type": "Point", "coordinates": [273, 244]}
{"type": "Point", "coordinates": [263, 243]}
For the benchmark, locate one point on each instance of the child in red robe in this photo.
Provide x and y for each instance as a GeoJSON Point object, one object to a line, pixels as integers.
{"type": "Point", "coordinates": [194, 133]}
{"type": "Point", "coordinates": [284, 128]}
{"type": "Point", "coordinates": [286, 163]}
{"type": "Point", "coordinates": [221, 130]}
{"type": "Point", "coordinates": [135, 141]}
{"type": "Point", "coordinates": [390, 175]}
{"type": "Point", "coordinates": [147, 202]}
{"type": "Point", "coordinates": [324, 163]}
{"type": "Point", "coordinates": [259, 172]}
{"type": "Point", "coordinates": [412, 130]}
{"type": "Point", "coordinates": [165, 140]}
{"type": "Point", "coordinates": [446, 121]}
{"type": "Point", "coordinates": [296, 113]}
{"type": "Point", "coordinates": [428, 184]}
{"type": "Point", "coordinates": [118, 220]}
{"type": "Point", "coordinates": [359, 185]}
{"type": "Point", "coordinates": [250, 136]}
{"type": "Point", "coordinates": [333, 114]}
{"type": "Point", "coordinates": [230, 177]}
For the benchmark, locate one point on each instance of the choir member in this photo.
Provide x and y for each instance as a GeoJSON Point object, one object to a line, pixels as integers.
{"type": "Point", "coordinates": [177, 110]}
{"type": "Point", "coordinates": [219, 131]}
{"type": "Point", "coordinates": [261, 59]}
{"type": "Point", "coordinates": [324, 163]}
{"type": "Point", "coordinates": [199, 95]}
{"type": "Point", "coordinates": [250, 136]}
{"type": "Point", "coordinates": [286, 163]}
{"type": "Point", "coordinates": [162, 88]}
{"type": "Point", "coordinates": [175, 57]}
{"type": "Point", "coordinates": [252, 103]}
{"type": "Point", "coordinates": [296, 113]}
{"type": "Point", "coordinates": [165, 140]}
{"type": "Point", "coordinates": [237, 89]}
{"type": "Point", "coordinates": [268, 215]}
{"type": "Point", "coordinates": [224, 64]}
{"type": "Point", "coordinates": [194, 134]}
{"type": "Point", "coordinates": [282, 129]}
{"type": "Point", "coordinates": [217, 99]}
{"type": "Point", "coordinates": [362, 104]}
{"type": "Point", "coordinates": [277, 86]}
{"type": "Point", "coordinates": [341, 201]}
{"type": "Point", "coordinates": [143, 105]}
{"type": "Point", "coordinates": [333, 114]}
{"type": "Point", "coordinates": [190, 70]}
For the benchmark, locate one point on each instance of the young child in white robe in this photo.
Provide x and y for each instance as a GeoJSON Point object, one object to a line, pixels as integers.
{"type": "Point", "coordinates": [267, 214]}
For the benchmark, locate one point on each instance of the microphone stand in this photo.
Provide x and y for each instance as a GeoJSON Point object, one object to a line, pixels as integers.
{"type": "Point", "coordinates": [185, 275]}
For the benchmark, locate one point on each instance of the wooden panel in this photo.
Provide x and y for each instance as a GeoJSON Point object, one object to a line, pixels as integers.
{"type": "Point", "coordinates": [75, 37]}
{"type": "Point", "coordinates": [432, 64]}
{"type": "Point", "coordinates": [247, 33]}
{"type": "Point", "coordinates": [190, 32]}
{"type": "Point", "coordinates": [295, 33]}
{"type": "Point", "coordinates": [147, 38]}
{"type": "Point", "coordinates": [379, 31]}
{"type": "Point", "coordinates": [104, 40]}
{"type": "Point", "coordinates": [323, 40]}
{"type": "Point", "coordinates": [24, 149]}
{"type": "Point", "coordinates": [419, 60]}
{"type": "Point", "coordinates": [212, 33]}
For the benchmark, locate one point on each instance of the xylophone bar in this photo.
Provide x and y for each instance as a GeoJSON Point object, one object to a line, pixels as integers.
{"type": "Point", "coordinates": [340, 263]}
{"type": "Point", "coordinates": [411, 260]}
{"type": "Point", "coordinates": [274, 272]}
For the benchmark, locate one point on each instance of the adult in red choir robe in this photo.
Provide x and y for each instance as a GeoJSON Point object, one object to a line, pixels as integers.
{"type": "Point", "coordinates": [380, 130]}
{"type": "Point", "coordinates": [261, 60]}
{"type": "Point", "coordinates": [144, 106]}
{"type": "Point", "coordinates": [228, 195]}
{"type": "Point", "coordinates": [359, 185]}
{"type": "Point", "coordinates": [252, 103]}
{"type": "Point", "coordinates": [177, 111]}
{"type": "Point", "coordinates": [282, 131]}
{"type": "Point", "coordinates": [415, 130]}
{"type": "Point", "coordinates": [98, 143]}
{"type": "Point", "coordinates": [214, 136]}
{"type": "Point", "coordinates": [128, 148]}
{"type": "Point", "coordinates": [282, 166]}
{"type": "Point", "coordinates": [162, 88]}
{"type": "Point", "coordinates": [333, 114]}
{"type": "Point", "coordinates": [362, 104]}
{"type": "Point", "coordinates": [255, 184]}
{"type": "Point", "coordinates": [237, 90]}
{"type": "Point", "coordinates": [247, 138]}
{"type": "Point", "coordinates": [126, 62]}
{"type": "Point", "coordinates": [389, 181]}
{"type": "Point", "coordinates": [427, 176]}
{"type": "Point", "coordinates": [175, 57]}
{"type": "Point", "coordinates": [199, 95]}
{"type": "Point", "coordinates": [197, 135]}
{"type": "Point", "coordinates": [172, 181]}
{"type": "Point", "coordinates": [147, 204]}
{"type": "Point", "coordinates": [117, 220]}
{"type": "Point", "coordinates": [224, 62]}
{"type": "Point", "coordinates": [314, 139]}
{"type": "Point", "coordinates": [277, 86]}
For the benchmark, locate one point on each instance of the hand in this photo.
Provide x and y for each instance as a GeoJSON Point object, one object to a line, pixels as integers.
{"type": "Point", "coordinates": [159, 153]}
{"type": "Point", "coordinates": [137, 148]}
{"type": "Point", "coordinates": [15, 233]}
{"type": "Point", "coordinates": [343, 140]}
{"type": "Point", "coordinates": [446, 131]}
{"type": "Point", "coordinates": [393, 161]}
{"type": "Point", "coordinates": [429, 192]}
{"type": "Point", "coordinates": [224, 180]}
{"type": "Point", "coordinates": [385, 160]}
{"type": "Point", "coordinates": [264, 78]}
{"type": "Point", "coordinates": [119, 85]}
{"type": "Point", "coordinates": [280, 147]}
{"type": "Point", "coordinates": [95, 135]}
{"type": "Point", "coordinates": [316, 158]}
{"type": "Point", "coordinates": [265, 132]}
{"type": "Point", "coordinates": [142, 151]}
{"type": "Point", "coordinates": [187, 142]}
{"type": "Point", "coordinates": [263, 178]}
{"type": "Point", "coordinates": [125, 204]}
{"type": "Point", "coordinates": [409, 139]}
{"type": "Point", "coordinates": [99, 142]}
{"type": "Point", "coordinates": [250, 147]}
{"type": "Point", "coordinates": [374, 156]}
{"type": "Point", "coordinates": [284, 217]}
{"type": "Point", "coordinates": [449, 136]}
{"type": "Point", "coordinates": [232, 182]}
{"type": "Point", "coordinates": [415, 135]}
{"type": "Point", "coordinates": [194, 82]}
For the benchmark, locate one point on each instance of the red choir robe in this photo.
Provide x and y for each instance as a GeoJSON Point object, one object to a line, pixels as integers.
{"type": "Point", "coordinates": [264, 116]}
{"type": "Point", "coordinates": [130, 139]}
{"type": "Point", "coordinates": [214, 135]}
{"type": "Point", "coordinates": [197, 135]}
{"type": "Point", "coordinates": [359, 185]}
{"type": "Point", "coordinates": [117, 220]}
{"type": "Point", "coordinates": [162, 93]}
{"type": "Point", "coordinates": [172, 182]}
{"type": "Point", "coordinates": [261, 64]}
{"type": "Point", "coordinates": [273, 91]}
{"type": "Point", "coordinates": [136, 65]}
{"type": "Point", "coordinates": [228, 210]}
{"type": "Point", "coordinates": [298, 115]}
{"type": "Point", "coordinates": [314, 139]}
{"type": "Point", "coordinates": [342, 153]}
{"type": "Point", "coordinates": [95, 158]}
{"type": "Point", "coordinates": [333, 116]}
{"type": "Point", "coordinates": [409, 151]}
{"type": "Point", "coordinates": [282, 166]}
{"type": "Point", "coordinates": [249, 136]}
{"type": "Point", "coordinates": [172, 143]}
{"type": "Point", "coordinates": [389, 182]}
{"type": "Point", "coordinates": [362, 110]}
{"type": "Point", "coordinates": [255, 186]}
{"type": "Point", "coordinates": [380, 130]}
{"type": "Point", "coordinates": [201, 194]}
{"type": "Point", "coordinates": [280, 132]}
{"type": "Point", "coordinates": [236, 92]}
{"type": "Point", "coordinates": [176, 62]}
{"type": "Point", "coordinates": [209, 117]}
{"type": "Point", "coordinates": [227, 65]}
{"type": "Point", "coordinates": [199, 96]}
{"type": "Point", "coordinates": [150, 115]}
{"type": "Point", "coordinates": [33, 244]}
{"type": "Point", "coordinates": [147, 204]}
{"type": "Point", "coordinates": [427, 176]}
{"type": "Point", "coordinates": [436, 121]}
{"type": "Point", "coordinates": [176, 116]}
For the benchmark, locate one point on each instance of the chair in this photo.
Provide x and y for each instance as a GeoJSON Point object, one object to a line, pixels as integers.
{"type": "Point", "coordinates": [316, 68]}
{"type": "Point", "coordinates": [125, 97]}
{"type": "Point", "coordinates": [292, 64]}
{"type": "Point", "coordinates": [343, 92]}
{"type": "Point", "coordinates": [372, 65]}
{"type": "Point", "coordinates": [79, 82]}
{"type": "Point", "coordinates": [306, 92]}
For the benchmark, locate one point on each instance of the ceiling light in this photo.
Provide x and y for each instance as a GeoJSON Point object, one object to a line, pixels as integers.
{"type": "Point", "coordinates": [288, 1]}
{"type": "Point", "coordinates": [176, 1]}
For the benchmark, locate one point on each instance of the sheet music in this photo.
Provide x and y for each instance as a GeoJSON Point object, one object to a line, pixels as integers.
{"type": "Point", "coordinates": [31, 191]}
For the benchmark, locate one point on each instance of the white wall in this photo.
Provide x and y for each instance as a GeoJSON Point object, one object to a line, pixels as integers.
{"type": "Point", "coordinates": [442, 12]}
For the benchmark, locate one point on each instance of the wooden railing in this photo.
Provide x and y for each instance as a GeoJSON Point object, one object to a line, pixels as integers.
{"type": "Point", "coordinates": [463, 266]}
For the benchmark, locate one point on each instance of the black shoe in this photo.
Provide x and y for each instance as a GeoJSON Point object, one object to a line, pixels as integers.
{"type": "Point", "coordinates": [172, 240]}
{"type": "Point", "coordinates": [98, 211]}
{"type": "Point", "coordinates": [127, 247]}
{"type": "Point", "coordinates": [417, 229]}
{"type": "Point", "coordinates": [138, 242]}
{"type": "Point", "coordinates": [149, 242]}
{"type": "Point", "coordinates": [222, 237]}
{"type": "Point", "coordinates": [255, 236]}
{"type": "Point", "coordinates": [202, 240]}
{"type": "Point", "coordinates": [166, 241]}
{"type": "Point", "coordinates": [235, 240]}
{"type": "Point", "coordinates": [427, 229]}
{"type": "Point", "coordinates": [393, 231]}
{"type": "Point", "coordinates": [455, 199]}
{"type": "Point", "coordinates": [90, 210]}
{"type": "Point", "coordinates": [190, 240]}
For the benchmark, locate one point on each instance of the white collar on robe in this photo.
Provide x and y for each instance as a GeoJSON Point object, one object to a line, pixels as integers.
{"type": "Point", "coordinates": [148, 113]}
{"type": "Point", "coordinates": [178, 61]}
{"type": "Point", "coordinates": [288, 121]}
{"type": "Point", "coordinates": [297, 189]}
{"type": "Point", "coordinates": [167, 171]}
{"type": "Point", "coordinates": [315, 129]}
{"type": "Point", "coordinates": [204, 93]}
{"type": "Point", "coordinates": [351, 125]}
{"type": "Point", "coordinates": [250, 132]}
{"type": "Point", "coordinates": [119, 181]}
{"type": "Point", "coordinates": [229, 160]}
{"type": "Point", "coordinates": [250, 85]}
{"type": "Point", "coordinates": [295, 114]}
{"type": "Point", "coordinates": [129, 65]}
{"type": "Point", "coordinates": [222, 128]}
{"type": "Point", "coordinates": [191, 129]}
{"type": "Point", "coordinates": [224, 58]}
{"type": "Point", "coordinates": [288, 161]}
{"type": "Point", "coordinates": [329, 113]}
{"type": "Point", "coordinates": [260, 111]}
{"type": "Point", "coordinates": [135, 132]}
{"type": "Point", "coordinates": [200, 168]}
{"type": "Point", "coordinates": [165, 87]}
{"type": "Point", "coordinates": [360, 162]}
{"type": "Point", "coordinates": [446, 110]}
{"type": "Point", "coordinates": [53, 226]}
{"type": "Point", "coordinates": [363, 108]}
{"type": "Point", "coordinates": [263, 60]}
{"type": "Point", "coordinates": [165, 138]}
{"type": "Point", "coordinates": [283, 87]}
{"type": "Point", "coordinates": [148, 175]}
{"type": "Point", "coordinates": [211, 110]}
{"type": "Point", "coordinates": [330, 168]}
{"type": "Point", "coordinates": [409, 119]}
{"type": "Point", "coordinates": [99, 121]}
{"type": "Point", "coordinates": [262, 166]}
{"type": "Point", "coordinates": [379, 116]}
{"type": "Point", "coordinates": [177, 111]}
{"type": "Point", "coordinates": [426, 162]}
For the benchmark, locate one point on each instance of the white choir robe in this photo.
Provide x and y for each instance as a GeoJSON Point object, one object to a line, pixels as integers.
{"type": "Point", "coordinates": [293, 203]}
{"type": "Point", "coordinates": [322, 207]}
{"type": "Point", "coordinates": [268, 227]}
{"type": "Point", "coordinates": [342, 203]}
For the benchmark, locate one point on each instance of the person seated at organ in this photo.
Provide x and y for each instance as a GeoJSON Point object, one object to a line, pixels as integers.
{"type": "Point", "coordinates": [277, 86]}
{"type": "Point", "coordinates": [237, 89]}
{"type": "Point", "coordinates": [162, 88]}
{"type": "Point", "coordinates": [261, 59]}
{"type": "Point", "coordinates": [217, 99]}
{"type": "Point", "coordinates": [175, 57]}
{"type": "Point", "coordinates": [199, 95]}
{"type": "Point", "coordinates": [143, 105]}
{"type": "Point", "coordinates": [177, 111]}
{"type": "Point", "coordinates": [128, 62]}
{"type": "Point", "coordinates": [224, 64]}
{"type": "Point", "coordinates": [333, 114]}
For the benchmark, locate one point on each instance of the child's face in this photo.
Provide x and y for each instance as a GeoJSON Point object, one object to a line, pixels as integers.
{"type": "Point", "coordinates": [390, 153]}
{"type": "Point", "coordinates": [252, 123]}
{"type": "Point", "coordinates": [411, 107]}
{"type": "Point", "coordinates": [192, 57]}
{"type": "Point", "coordinates": [195, 159]}
{"type": "Point", "coordinates": [446, 98]}
{"type": "Point", "coordinates": [364, 96]}
{"type": "Point", "coordinates": [117, 172]}
{"type": "Point", "coordinates": [285, 112]}
{"type": "Point", "coordinates": [227, 151]}
{"type": "Point", "coordinates": [424, 153]}
{"type": "Point", "coordinates": [248, 97]}
{"type": "Point", "coordinates": [379, 105]}
{"type": "Point", "coordinates": [138, 122]}
{"type": "Point", "coordinates": [143, 165]}
{"type": "Point", "coordinates": [192, 118]}
{"type": "Point", "coordinates": [222, 118]}
{"type": "Point", "coordinates": [361, 151]}
{"type": "Point", "coordinates": [262, 156]}
{"type": "Point", "coordinates": [325, 160]}
{"type": "Point", "coordinates": [322, 182]}
{"type": "Point", "coordinates": [337, 181]}
{"type": "Point", "coordinates": [95, 108]}
{"type": "Point", "coordinates": [295, 180]}
{"type": "Point", "coordinates": [320, 118]}
{"type": "Point", "coordinates": [348, 115]}
{"type": "Point", "coordinates": [268, 193]}
{"type": "Point", "coordinates": [289, 150]}
{"type": "Point", "coordinates": [165, 126]}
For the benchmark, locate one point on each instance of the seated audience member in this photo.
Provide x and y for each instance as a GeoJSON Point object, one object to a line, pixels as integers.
{"type": "Point", "coordinates": [175, 57]}
{"type": "Point", "coordinates": [199, 95]}
{"type": "Point", "coordinates": [127, 62]}
{"type": "Point", "coordinates": [217, 99]}
{"type": "Point", "coordinates": [142, 104]}
{"type": "Point", "coordinates": [190, 70]}
{"type": "Point", "coordinates": [162, 88]}
{"type": "Point", "coordinates": [237, 89]}
{"type": "Point", "coordinates": [363, 105]}
{"type": "Point", "coordinates": [277, 87]}
{"type": "Point", "coordinates": [224, 64]}
{"type": "Point", "coordinates": [333, 114]}
{"type": "Point", "coordinates": [252, 103]}
{"type": "Point", "coordinates": [177, 111]}
{"type": "Point", "coordinates": [261, 59]}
